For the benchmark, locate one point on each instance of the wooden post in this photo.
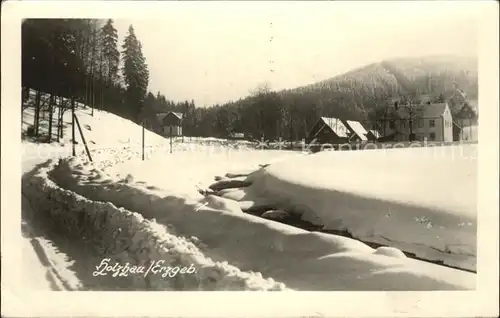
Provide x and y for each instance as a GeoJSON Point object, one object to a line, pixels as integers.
{"type": "Point", "coordinates": [73, 126]}
{"type": "Point", "coordinates": [470, 128]}
{"type": "Point", "coordinates": [83, 138]}
{"type": "Point", "coordinates": [59, 122]}
{"type": "Point", "coordinates": [170, 128]}
{"type": "Point", "coordinates": [142, 140]}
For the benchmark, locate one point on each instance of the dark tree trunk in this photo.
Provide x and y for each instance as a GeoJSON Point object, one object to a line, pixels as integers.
{"type": "Point", "coordinates": [61, 113]}
{"type": "Point", "coordinates": [51, 107]}
{"type": "Point", "coordinates": [25, 95]}
{"type": "Point", "coordinates": [37, 112]}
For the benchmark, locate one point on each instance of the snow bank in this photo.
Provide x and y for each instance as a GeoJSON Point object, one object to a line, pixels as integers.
{"type": "Point", "coordinates": [125, 236]}
{"type": "Point", "coordinates": [302, 260]}
{"type": "Point", "coordinates": [422, 201]}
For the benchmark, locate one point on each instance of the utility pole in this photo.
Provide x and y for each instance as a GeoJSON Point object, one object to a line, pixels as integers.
{"type": "Point", "coordinates": [73, 126]}
{"type": "Point", "coordinates": [170, 138]}
{"type": "Point", "coordinates": [410, 111]}
{"type": "Point", "coordinates": [143, 139]}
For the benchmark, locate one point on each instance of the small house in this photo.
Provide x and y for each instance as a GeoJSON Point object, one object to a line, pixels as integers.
{"type": "Point", "coordinates": [466, 122]}
{"type": "Point", "coordinates": [358, 132]}
{"type": "Point", "coordinates": [468, 114]}
{"type": "Point", "coordinates": [236, 135]}
{"type": "Point", "coordinates": [329, 131]}
{"type": "Point", "coordinates": [171, 123]}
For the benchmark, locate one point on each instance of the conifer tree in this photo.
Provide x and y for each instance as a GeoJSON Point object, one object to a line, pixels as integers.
{"type": "Point", "coordinates": [110, 51]}
{"type": "Point", "coordinates": [135, 74]}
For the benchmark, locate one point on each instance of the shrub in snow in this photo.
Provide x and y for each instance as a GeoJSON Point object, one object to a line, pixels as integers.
{"type": "Point", "coordinates": [236, 175]}
{"type": "Point", "coordinates": [226, 184]}
{"type": "Point", "coordinates": [277, 215]}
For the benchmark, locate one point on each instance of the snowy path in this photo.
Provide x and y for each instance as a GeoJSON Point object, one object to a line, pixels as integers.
{"type": "Point", "coordinates": [36, 269]}
{"type": "Point", "coordinates": [44, 266]}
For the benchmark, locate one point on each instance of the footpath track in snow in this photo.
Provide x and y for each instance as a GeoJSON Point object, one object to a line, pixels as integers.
{"type": "Point", "coordinates": [124, 236]}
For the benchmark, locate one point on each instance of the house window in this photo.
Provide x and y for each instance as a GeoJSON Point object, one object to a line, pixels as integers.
{"type": "Point", "coordinates": [432, 123]}
{"type": "Point", "coordinates": [391, 124]}
{"type": "Point", "coordinates": [432, 136]}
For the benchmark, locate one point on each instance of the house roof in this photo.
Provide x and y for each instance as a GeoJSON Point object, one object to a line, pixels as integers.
{"type": "Point", "coordinates": [336, 125]}
{"type": "Point", "coordinates": [178, 115]}
{"type": "Point", "coordinates": [358, 129]}
{"type": "Point", "coordinates": [161, 116]}
{"type": "Point", "coordinates": [375, 133]}
{"type": "Point", "coordinates": [432, 110]}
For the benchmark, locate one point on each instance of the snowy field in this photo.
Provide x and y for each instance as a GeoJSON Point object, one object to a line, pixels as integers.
{"type": "Point", "coordinates": [300, 259]}
{"type": "Point", "coordinates": [397, 198]}
{"type": "Point", "coordinates": [421, 200]}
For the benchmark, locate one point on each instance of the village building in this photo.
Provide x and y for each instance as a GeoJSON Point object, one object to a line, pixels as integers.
{"type": "Point", "coordinates": [358, 133]}
{"type": "Point", "coordinates": [466, 121]}
{"type": "Point", "coordinates": [236, 135]}
{"type": "Point", "coordinates": [169, 124]}
{"type": "Point", "coordinates": [329, 131]}
{"type": "Point", "coordinates": [418, 122]}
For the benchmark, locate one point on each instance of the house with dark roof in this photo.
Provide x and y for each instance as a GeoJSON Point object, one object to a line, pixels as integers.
{"type": "Point", "coordinates": [426, 121]}
{"type": "Point", "coordinates": [466, 121]}
{"type": "Point", "coordinates": [329, 131]}
{"type": "Point", "coordinates": [170, 123]}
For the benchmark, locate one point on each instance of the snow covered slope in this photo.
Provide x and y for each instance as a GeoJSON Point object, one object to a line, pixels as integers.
{"type": "Point", "coordinates": [421, 200]}
{"type": "Point", "coordinates": [101, 130]}
{"type": "Point", "coordinates": [300, 259]}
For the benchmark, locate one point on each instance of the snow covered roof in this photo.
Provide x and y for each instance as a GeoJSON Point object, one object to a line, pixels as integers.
{"type": "Point", "coordinates": [336, 125]}
{"type": "Point", "coordinates": [358, 129]}
{"type": "Point", "coordinates": [178, 115]}
{"type": "Point", "coordinates": [432, 110]}
{"type": "Point", "coordinates": [375, 133]}
{"type": "Point", "coordinates": [161, 116]}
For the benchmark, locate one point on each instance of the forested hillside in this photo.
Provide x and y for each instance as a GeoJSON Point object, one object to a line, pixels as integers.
{"type": "Point", "coordinates": [80, 59]}
{"type": "Point", "coordinates": [358, 94]}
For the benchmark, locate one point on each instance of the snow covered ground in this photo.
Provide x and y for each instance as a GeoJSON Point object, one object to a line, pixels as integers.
{"type": "Point", "coordinates": [105, 152]}
{"type": "Point", "coordinates": [421, 200]}
{"type": "Point", "coordinates": [45, 265]}
{"type": "Point", "coordinates": [397, 198]}
{"type": "Point", "coordinates": [302, 260]}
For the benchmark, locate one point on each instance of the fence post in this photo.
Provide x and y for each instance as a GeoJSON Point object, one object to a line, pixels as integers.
{"type": "Point", "coordinates": [83, 138]}
{"type": "Point", "coordinates": [170, 128]}
{"type": "Point", "coordinates": [143, 140]}
{"type": "Point", "coordinates": [73, 126]}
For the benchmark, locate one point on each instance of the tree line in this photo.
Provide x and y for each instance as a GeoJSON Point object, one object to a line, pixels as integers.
{"type": "Point", "coordinates": [82, 61]}
{"type": "Point", "coordinates": [78, 61]}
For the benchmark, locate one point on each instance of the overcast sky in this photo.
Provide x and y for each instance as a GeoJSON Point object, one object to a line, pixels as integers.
{"type": "Point", "coordinates": [218, 51]}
